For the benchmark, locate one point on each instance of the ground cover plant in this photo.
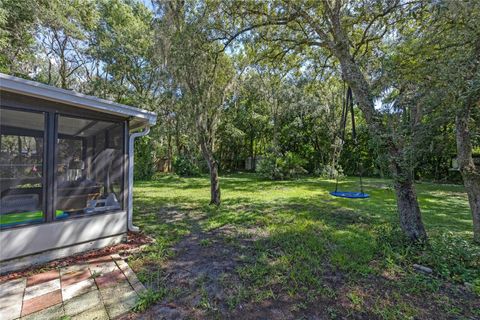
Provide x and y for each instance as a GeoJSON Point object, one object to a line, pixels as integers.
{"type": "Point", "coordinates": [288, 250]}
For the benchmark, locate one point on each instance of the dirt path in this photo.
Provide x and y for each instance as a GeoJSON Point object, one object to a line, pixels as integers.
{"type": "Point", "coordinates": [196, 274]}
{"type": "Point", "coordinates": [202, 276]}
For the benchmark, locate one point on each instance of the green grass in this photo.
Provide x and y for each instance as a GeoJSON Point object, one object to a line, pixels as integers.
{"type": "Point", "coordinates": [302, 234]}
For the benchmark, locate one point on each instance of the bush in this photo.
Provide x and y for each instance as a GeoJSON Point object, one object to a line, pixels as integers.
{"type": "Point", "coordinates": [267, 168]}
{"type": "Point", "coordinates": [282, 167]}
{"type": "Point", "coordinates": [329, 172]}
{"type": "Point", "coordinates": [144, 167]}
{"type": "Point", "coordinates": [453, 257]}
{"type": "Point", "coordinates": [185, 167]}
{"type": "Point", "coordinates": [450, 256]}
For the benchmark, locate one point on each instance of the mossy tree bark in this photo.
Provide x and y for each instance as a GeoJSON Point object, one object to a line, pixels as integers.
{"type": "Point", "coordinates": [470, 172]}
{"type": "Point", "coordinates": [407, 203]}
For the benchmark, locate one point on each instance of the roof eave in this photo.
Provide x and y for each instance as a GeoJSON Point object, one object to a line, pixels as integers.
{"type": "Point", "coordinates": [43, 91]}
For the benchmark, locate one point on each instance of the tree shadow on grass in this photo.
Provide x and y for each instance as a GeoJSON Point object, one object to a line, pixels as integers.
{"type": "Point", "coordinates": [311, 262]}
{"type": "Point", "coordinates": [287, 249]}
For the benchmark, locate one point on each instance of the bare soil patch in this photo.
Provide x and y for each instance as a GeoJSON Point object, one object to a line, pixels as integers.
{"type": "Point", "coordinates": [202, 275]}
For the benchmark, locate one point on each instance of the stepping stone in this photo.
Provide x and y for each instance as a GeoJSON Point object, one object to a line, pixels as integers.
{"type": "Point", "coordinates": [12, 287]}
{"type": "Point", "coordinates": [11, 300]}
{"type": "Point", "coordinates": [11, 294]}
{"type": "Point", "coordinates": [116, 257]}
{"type": "Point", "coordinates": [42, 277]}
{"type": "Point", "coordinates": [41, 289]}
{"type": "Point", "coordinates": [78, 288]}
{"type": "Point", "coordinates": [119, 299]}
{"type": "Point", "coordinates": [55, 312]}
{"type": "Point", "coordinates": [110, 279]}
{"type": "Point", "coordinates": [96, 313]}
{"type": "Point", "coordinates": [11, 312]}
{"type": "Point", "coordinates": [74, 277]}
{"type": "Point", "coordinates": [111, 294]}
{"type": "Point", "coordinates": [98, 269]}
{"type": "Point", "coordinates": [41, 302]}
{"type": "Point", "coordinates": [139, 287]}
{"type": "Point", "coordinates": [11, 297]}
{"type": "Point", "coordinates": [130, 275]}
{"type": "Point", "coordinates": [72, 269]}
{"type": "Point", "coordinates": [121, 305]}
{"type": "Point", "coordinates": [122, 265]}
{"type": "Point", "coordinates": [76, 285]}
{"type": "Point", "coordinates": [82, 303]}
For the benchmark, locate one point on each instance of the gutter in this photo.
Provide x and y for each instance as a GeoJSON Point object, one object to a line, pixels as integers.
{"type": "Point", "coordinates": [131, 152]}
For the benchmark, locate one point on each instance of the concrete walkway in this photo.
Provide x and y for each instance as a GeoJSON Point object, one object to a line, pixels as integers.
{"type": "Point", "coordinates": [101, 288]}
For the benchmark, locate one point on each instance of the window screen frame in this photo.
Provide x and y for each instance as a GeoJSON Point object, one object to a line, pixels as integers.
{"type": "Point", "coordinates": [124, 151]}
{"type": "Point", "coordinates": [51, 113]}
{"type": "Point", "coordinates": [44, 180]}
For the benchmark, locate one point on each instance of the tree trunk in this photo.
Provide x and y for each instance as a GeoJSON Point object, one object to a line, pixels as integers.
{"type": "Point", "coordinates": [177, 136]}
{"type": "Point", "coordinates": [49, 81]}
{"type": "Point", "coordinates": [470, 173]}
{"type": "Point", "coordinates": [409, 211]}
{"type": "Point", "coordinates": [63, 65]}
{"type": "Point", "coordinates": [407, 203]}
{"type": "Point", "coordinates": [169, 151]}
{"type": "Point", "coordinates": [213, 168]}
{"type": "Point", "coordinates": [214, 182]}
{"type": "Point", "coordinates": [252, 156]}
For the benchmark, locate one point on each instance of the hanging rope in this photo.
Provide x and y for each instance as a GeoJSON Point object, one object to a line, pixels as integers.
{"type": "Point", "coordinates": [348, 104]}
{"type": "Point", "coordinates": [343, 124]}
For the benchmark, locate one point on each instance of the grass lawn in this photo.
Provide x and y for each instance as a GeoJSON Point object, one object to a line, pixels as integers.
{"type": "Point", "coordinates": [289, 250]}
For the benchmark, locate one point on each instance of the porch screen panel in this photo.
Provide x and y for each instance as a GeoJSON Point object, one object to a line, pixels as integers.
{"type": "Point", "coordinates": [90, 166]}
{"type": "Point", "coordinates": [21, 167]}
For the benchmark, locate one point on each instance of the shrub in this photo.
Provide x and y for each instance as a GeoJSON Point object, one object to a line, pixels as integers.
{"type": "Point", "coordinates": [453, 257]}
{"type": "Point", "coordinates": [144, 167]}
{"type": "Point", "coordinates": [267, 168]}
{"type": "Point", "coordinates": [329, 172]}
{"type": "Point", "coordinates": [450, 256]}
{"type": "Point", "coordinates": [281, 167]}
{"type": "Point", "coordinates": [185, 167]}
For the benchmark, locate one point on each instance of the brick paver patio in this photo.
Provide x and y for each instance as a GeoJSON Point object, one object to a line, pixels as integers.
{"type": "Point", "coordinates": [101, 288]}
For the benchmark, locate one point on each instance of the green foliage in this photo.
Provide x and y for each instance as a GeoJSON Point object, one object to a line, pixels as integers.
{"type": "Point", "coordinates": [476, 151]}
{"type": "Point", "coordinates": [453, 257]}
{"type": "Point", "coordinates": [185, 167]}
{"type": "Point", "coordinates": [17, 26]}
{"type": "Point", "coordinates": [450, 256]}
{"type": "Point", "coordinates": [476, 286]}
{"type": "Point", "coordinates": [144, 166]}
{"type": "Point", "coordinates": [284, 167]}
{"type": "Point", "coordinates": [268, 168]}
{"type": "Point", "coordinates": [329, 172]}
{"type": "Point", "coordinates": [123, 50]}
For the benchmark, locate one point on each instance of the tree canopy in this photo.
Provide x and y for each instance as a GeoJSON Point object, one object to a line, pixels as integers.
{"type": "Point", "coordinates": [260, 85]}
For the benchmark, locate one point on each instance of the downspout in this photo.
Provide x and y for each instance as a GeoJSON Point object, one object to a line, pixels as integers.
{"type": "Point", "coordinates": [131, 152]}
